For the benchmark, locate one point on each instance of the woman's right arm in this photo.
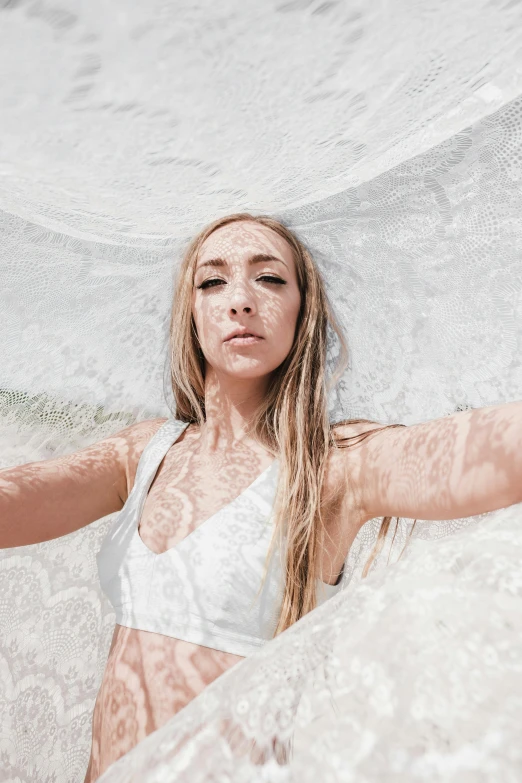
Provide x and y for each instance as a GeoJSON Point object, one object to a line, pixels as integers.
{"type": "Point", "coordinates": [44, 500]}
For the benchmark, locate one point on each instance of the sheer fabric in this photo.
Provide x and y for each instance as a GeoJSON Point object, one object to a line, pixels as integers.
{"type": "Point", "coordinates": [389, 135]}
{"type": "Point", "coordinates": [413, 675]}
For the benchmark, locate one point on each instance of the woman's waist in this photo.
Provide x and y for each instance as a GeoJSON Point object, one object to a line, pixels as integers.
{"type": "Point", "coordinates": [154, 676]}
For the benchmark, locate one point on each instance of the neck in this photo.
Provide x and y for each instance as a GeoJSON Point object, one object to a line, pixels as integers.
{"type": "Point", "coordinates": [230, 405]}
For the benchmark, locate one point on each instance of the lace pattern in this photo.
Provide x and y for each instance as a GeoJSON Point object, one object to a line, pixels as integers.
{"type": "Point", "coordinates": [389, 137]}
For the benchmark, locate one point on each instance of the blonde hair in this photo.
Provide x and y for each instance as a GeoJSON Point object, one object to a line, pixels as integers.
{"type": "Point", "coordinates": [292, 421]}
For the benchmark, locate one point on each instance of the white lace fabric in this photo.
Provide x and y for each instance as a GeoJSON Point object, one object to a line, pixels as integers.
{"type": "Point", "coordinates": [412, 675]}
{"type": "Point", "coordinates": [389, 136]}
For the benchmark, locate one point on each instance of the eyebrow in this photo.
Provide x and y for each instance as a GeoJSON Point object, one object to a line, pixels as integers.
{"type": "Point", "coordinates": [257, 258]}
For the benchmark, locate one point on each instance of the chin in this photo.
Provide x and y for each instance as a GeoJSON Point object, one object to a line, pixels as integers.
{"type": "Point", "coordinates": [248, 370]}
{"type": "Point", "coordinates": [251, 374]}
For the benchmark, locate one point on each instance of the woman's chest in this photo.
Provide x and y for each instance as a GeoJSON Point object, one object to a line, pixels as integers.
{"type": "Point", "coordinates": [189, 490]}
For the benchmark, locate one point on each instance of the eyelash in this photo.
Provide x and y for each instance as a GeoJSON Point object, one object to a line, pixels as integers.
{"type": "Point", "coordinates": [269, 278]}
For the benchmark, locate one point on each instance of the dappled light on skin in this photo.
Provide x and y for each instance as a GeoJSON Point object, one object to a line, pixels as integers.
{"type": "Point", "coordinates": [148, 679]}
{"type": "Point", "coordinates": [456, 466]}
{"type": "Point", "coordinates": [252, 284]}
{"type": "Point", "coordinates": [245, 278]}
{"type": "Point", "coordinates": [389, 137]}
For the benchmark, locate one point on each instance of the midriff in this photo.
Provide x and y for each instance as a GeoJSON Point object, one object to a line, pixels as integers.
{"type": "Point", "coordinates": [148, 678]}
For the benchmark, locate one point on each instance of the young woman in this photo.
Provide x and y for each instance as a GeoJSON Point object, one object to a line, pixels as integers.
{"type": "Point", "coordinates": [238, 514]}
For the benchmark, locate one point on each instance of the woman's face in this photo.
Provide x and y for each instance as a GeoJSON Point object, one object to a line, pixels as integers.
{"type": "Point", "coordinates": [245, 282]}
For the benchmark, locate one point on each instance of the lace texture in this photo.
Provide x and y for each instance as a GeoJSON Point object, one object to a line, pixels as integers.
{"type": "Point", "coordinates": [389, 135]}
{"type": "Point", "coordinates": [412, 675]}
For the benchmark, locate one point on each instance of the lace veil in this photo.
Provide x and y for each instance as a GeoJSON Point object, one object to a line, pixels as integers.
{"type": "Point", "coordinates": [389, 136]}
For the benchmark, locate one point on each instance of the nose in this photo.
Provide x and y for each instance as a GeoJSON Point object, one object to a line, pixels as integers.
{"type": "Point", "coordinates": [241, 300]}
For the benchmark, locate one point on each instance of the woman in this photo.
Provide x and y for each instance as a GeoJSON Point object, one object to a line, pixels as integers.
{"type": "Point", "coordinates": [182, 563]}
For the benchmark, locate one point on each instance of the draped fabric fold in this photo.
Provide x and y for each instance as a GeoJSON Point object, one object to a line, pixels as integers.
{"type": "Point", "coordinates": [389, 136]}
{"type": "Point", "coordinates": [412, 675]}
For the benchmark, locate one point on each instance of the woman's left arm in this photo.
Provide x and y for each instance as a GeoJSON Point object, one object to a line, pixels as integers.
{"type": "Point", "coordinates": [456, 466]}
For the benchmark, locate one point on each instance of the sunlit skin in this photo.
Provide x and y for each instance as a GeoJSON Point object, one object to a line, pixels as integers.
{"type": "Point", "coordinates": [456, 466]}
{"type": "Point", "coordinates": [245, 279]}
{"type": "Point", "coordinates": [460, 465]}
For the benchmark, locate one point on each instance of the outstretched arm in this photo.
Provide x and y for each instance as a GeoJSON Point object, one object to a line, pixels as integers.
{"type": "Point", "coordinates": [448, 468]}
{"type": "Point", "coordinates": [47, 499]}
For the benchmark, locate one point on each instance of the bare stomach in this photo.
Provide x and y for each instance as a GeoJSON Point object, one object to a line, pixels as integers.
{"type": "Point", "coordinates": [148, 679]}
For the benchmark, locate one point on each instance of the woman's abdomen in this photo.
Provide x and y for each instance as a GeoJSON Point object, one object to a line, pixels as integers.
{"type": "Point", "coordinates": [148, 679]}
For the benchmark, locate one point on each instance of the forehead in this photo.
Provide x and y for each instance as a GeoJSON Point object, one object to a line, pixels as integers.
{"type": "Point", "coordinates": [236, 241]}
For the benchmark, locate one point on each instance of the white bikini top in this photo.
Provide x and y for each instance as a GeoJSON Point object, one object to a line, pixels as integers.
{"type": "Point", "coordinates": [202, 590]}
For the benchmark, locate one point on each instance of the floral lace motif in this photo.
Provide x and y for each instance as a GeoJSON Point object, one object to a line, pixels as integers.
{"type": "Point", "coordinates": [389, 137]}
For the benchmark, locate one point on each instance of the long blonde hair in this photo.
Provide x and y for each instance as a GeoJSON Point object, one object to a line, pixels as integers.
{"type": "Point", "coordinates": [292, 421]}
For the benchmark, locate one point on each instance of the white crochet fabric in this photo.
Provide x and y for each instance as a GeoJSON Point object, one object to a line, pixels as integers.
{"type": "Point", "coordinates": [389, 135]}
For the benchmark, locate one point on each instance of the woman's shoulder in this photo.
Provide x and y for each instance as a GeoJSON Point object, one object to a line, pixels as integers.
{"type": "Point", "coordinates": [136, 437]}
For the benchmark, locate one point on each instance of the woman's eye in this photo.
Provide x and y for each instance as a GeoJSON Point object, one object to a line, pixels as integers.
{"type": "Point", "coordinates": [272, 279]}
{"type": "Point", "coordinates": [215, 281]}
{"type": "Point", "coordinates": [211, 283]}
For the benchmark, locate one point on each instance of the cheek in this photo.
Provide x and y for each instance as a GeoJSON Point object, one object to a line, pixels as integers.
{"type": "Point", "coordinates": [284, 319]}
{"type": "Point", "coordinates": [207, 315]}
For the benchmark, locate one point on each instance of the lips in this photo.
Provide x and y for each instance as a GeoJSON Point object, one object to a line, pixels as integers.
{"type": "Point", "coordinates": [243, 341]}
{"type": "Point", "coordinates": [242, 334]}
